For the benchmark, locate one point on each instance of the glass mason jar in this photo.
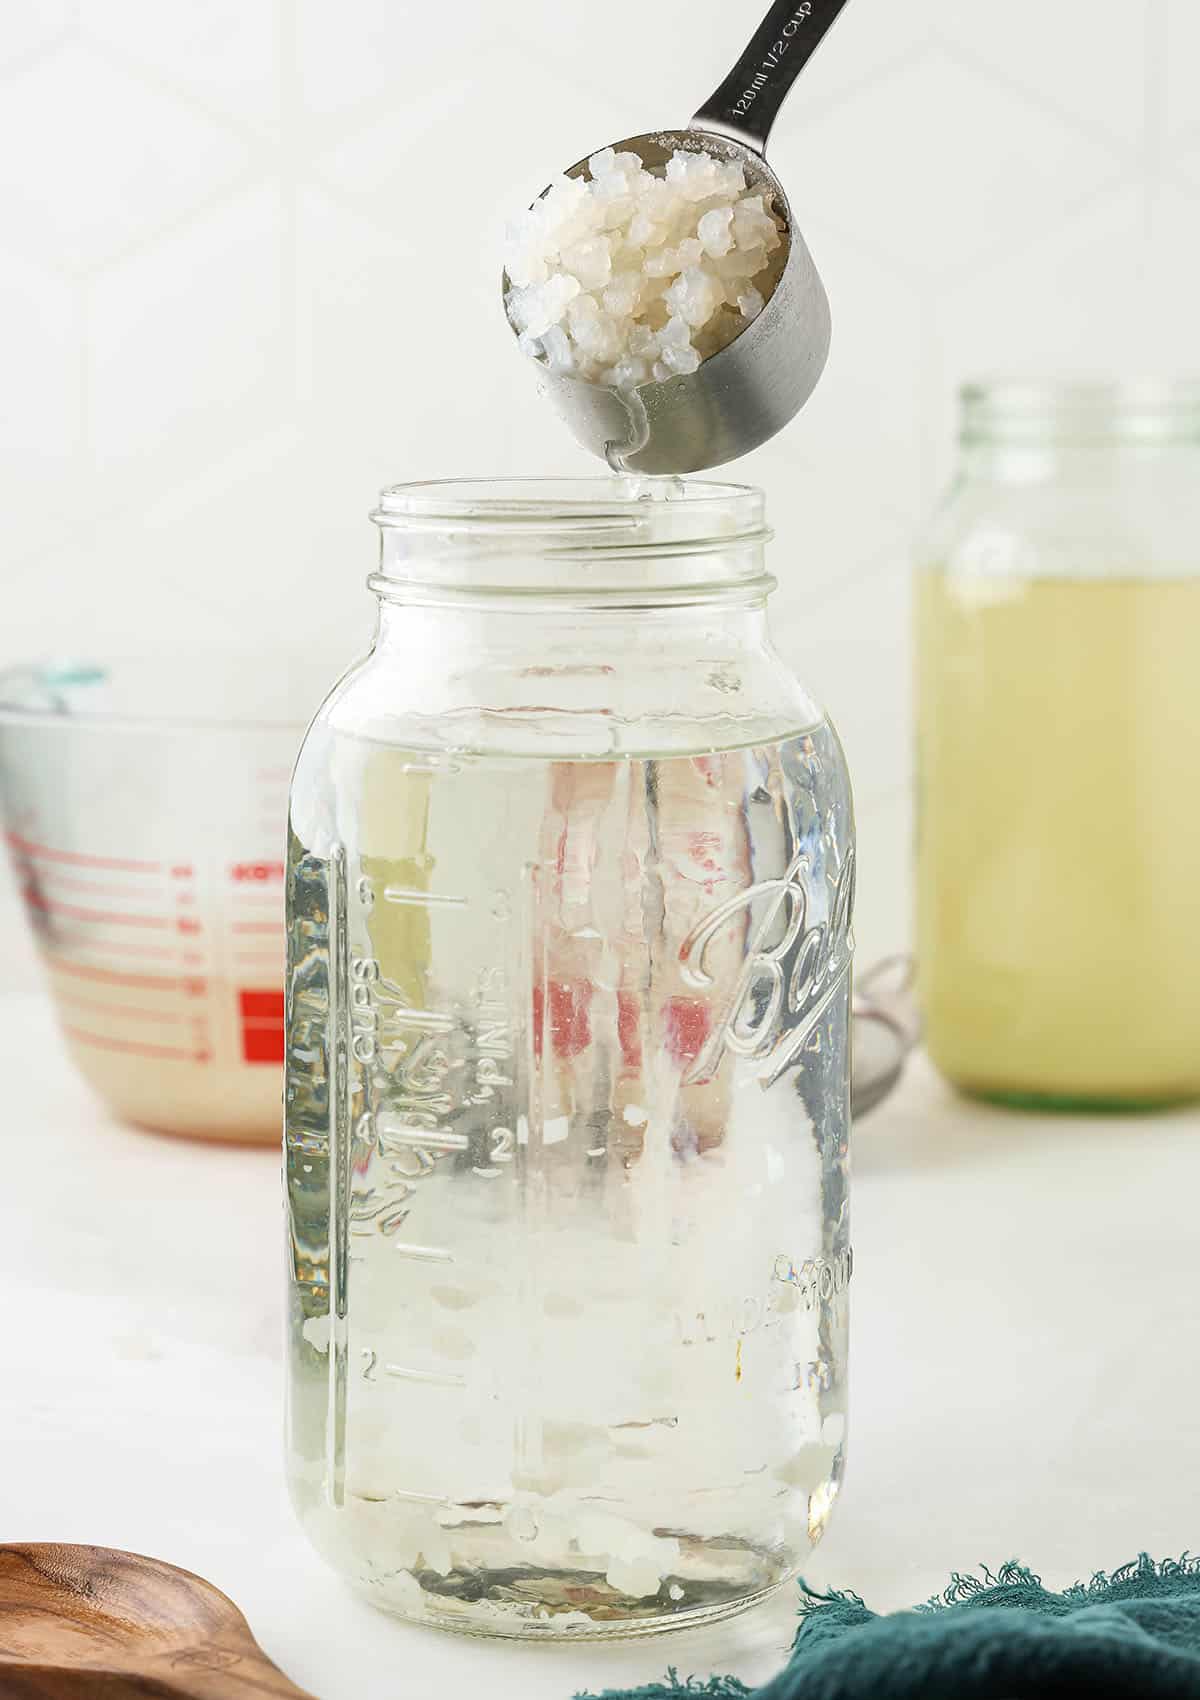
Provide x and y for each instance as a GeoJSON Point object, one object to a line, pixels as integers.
{"type": "Point", "coordinates": [570, 876]}
{"type": "Point", "coordinates": [1058, 636]}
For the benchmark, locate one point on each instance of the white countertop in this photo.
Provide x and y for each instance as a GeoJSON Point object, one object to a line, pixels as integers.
{"type": "Point", "coordinates": [1025, 1371]}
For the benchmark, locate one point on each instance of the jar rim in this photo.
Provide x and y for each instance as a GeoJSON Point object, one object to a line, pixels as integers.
{"type": "Point", "coordinates": [1063, 410]}
{"type": "Point", "coordinates": [609, 505]}
{"type": "Point", "coordinates": [607, 536]}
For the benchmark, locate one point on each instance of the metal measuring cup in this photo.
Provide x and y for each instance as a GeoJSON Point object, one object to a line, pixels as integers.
{"type": "Point", "coordinates": [738, 398]}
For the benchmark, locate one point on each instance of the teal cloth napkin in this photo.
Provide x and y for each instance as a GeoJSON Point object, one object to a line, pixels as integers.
{"type": "Point", "coordinates": [1133, 1635]}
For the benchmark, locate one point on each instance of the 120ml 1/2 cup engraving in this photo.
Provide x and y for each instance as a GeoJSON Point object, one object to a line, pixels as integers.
{"type": "Point", "coordinates": [771, 58]}
{"type": "Point", "coordinates": [784, 988]}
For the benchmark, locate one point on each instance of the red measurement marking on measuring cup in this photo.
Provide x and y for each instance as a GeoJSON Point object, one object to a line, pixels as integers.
{"type": "Point", "coordinates": [146, 952]}
{"type": "Point", "coordinates": [65, 879]}
{"type": "Point", "coordinates": [112, 977]}
{"type": "Point", "coordinates": [78, 858]}
{"type": "Point", "coordinates": [126, 1012]}
{"type": "Point", "coordinates": [93, 917]}
{"type": "Point", "coordinates": [256, 873]}
{"type": "Point", "coordinates": [257, 897]}
{"type": "Point", "coordinates": [262, 1025]}
{"type": "Point", "coordinates": [131, 1047]}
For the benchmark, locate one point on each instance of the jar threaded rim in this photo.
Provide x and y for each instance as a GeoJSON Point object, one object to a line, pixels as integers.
{"type": "Point", "coordinates": [605, 536]}
{"type": "Point", "coordinates": [1083, 411]}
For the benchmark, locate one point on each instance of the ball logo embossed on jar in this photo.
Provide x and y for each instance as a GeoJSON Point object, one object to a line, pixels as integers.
{"type": "Point", "coordinates": [784, 987]}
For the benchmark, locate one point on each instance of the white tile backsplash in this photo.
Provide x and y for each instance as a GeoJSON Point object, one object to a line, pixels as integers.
{"type": "Point", "coordinates": [1103, 293]}
{"type": "Point", "coordinates": [94, 158]}
{"type": "Point", "coordinates": [1188, 157]}
{"type": "Point", "coordinates": [187, 350]}
{"type": "Point", "coordinates": [41, 427]}
{"type": "Point", "coordinates": [941, 165]}
{"type": "Point", "coordinates": [223, 55]}
{"type": "Point", "coordinates": [1176, 81]}
{"type": "Point", "coordinates": [1085, 63]}
{"type": "Point", "coordinates": [30, 30]}
{"type": "Point", "coordinates": [350, 56]}
{"type": "Point", "coordinates": [214, 351]}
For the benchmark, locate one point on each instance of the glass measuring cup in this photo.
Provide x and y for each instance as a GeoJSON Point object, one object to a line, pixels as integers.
{"type": "Point", "coordinates": [143, 805]}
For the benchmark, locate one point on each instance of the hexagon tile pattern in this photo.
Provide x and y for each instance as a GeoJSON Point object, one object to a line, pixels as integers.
{"type": "Point", "coordinates": [248, 273]}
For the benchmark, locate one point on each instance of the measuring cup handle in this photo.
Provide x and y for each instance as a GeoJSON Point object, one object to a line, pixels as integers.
{"type": "Point", "coordinates": [748, 101]}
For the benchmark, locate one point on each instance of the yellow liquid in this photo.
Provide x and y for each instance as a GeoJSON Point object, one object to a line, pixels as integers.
{"type": "Point", "coordinates": [1059, 836]}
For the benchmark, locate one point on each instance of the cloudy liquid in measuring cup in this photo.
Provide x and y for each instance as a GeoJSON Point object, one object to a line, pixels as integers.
{"type": "Point", "coordinates": [569, 1037]}
{"type": "Point", "coordinates": [167, 1079]}
{"type": "Point", "coordinates": [1059, 835]}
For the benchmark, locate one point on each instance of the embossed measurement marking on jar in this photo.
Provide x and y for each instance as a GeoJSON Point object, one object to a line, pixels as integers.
{"type": "Point", "coordinates": [431, 1377]}
{"type": "Point", "coordinates": [431, 764]}
{"type": "Point", "coordinates": [817, 1278]}
{"type": "Point", "coordinates": [816, 1281]}
{"type": "Point", "coordinates": [423, 899]}
{"type": "Point", "coordinates": [425, 1070]}
{"type": "Point", "coordinates": [405, 1133]}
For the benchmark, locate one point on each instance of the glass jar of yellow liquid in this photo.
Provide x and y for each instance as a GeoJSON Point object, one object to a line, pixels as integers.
{"type": "Point", "coordinates": [1058, 727]}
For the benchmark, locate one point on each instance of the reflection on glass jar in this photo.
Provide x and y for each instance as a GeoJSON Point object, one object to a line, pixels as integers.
{"type": "Point", "coordinates": [1058, 629]}
{"type": "Point", "coordinates": [570, 884]}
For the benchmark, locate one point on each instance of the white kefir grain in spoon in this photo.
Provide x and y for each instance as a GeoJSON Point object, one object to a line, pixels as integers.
{"type": "Point", "coordinates": [628, 276]}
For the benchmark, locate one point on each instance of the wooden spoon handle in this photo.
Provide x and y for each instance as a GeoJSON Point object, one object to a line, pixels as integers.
{"type": "Point", "coordinates": [224, 1670]}
{"type": "Point", "coordinates": [90, 1623]}
{"type": "Point", "coordinates": [204, 1674]}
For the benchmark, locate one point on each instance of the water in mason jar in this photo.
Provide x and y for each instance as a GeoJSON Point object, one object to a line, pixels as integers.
{"type": "Point", "coordinates": [567, 1051]}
